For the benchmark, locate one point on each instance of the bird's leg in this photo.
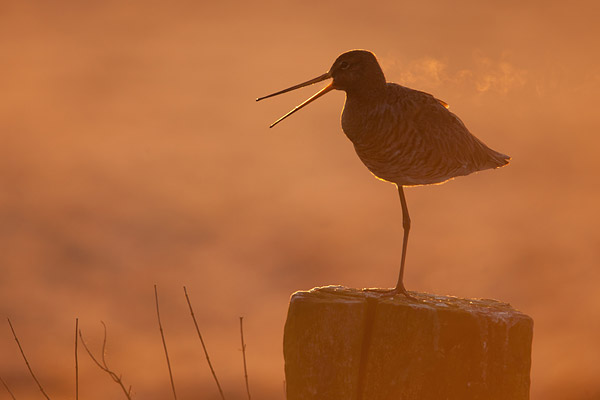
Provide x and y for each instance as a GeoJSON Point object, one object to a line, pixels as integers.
{"type": "Point", "coordinates": [406, 225]}
{"type": "Point", "coordinates": [399, 289]}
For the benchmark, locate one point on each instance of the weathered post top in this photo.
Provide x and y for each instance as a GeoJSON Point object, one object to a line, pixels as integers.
{"type": "Point", "coordinates": [342, 343]}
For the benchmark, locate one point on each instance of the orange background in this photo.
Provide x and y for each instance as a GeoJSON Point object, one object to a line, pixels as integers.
{"type": "Point", "coordinates": [132, 152]}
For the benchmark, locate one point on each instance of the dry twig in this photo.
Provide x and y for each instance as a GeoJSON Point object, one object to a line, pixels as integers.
{"type": "Point", "coordinates": [162, 335]}
{"type": "Point", "coordinates": [76, 361]}
{"type": "Point", "coordinates": [27, 362]}
{"type": "Point", "coordinates": [7, 388]}
{"type": "Point", "coordinates": [244, 356]}
{"type": "Point", "coordinates": [104, 366]}
{"type": "Point", "coordinates": [203, 345]}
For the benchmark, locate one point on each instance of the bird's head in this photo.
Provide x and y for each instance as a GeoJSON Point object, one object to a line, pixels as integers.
{"type": "Point", "coordinates": [356, 71]}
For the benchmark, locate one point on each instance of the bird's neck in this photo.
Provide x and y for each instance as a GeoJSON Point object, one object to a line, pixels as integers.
{"type": "Point", "coordinates": [368, 90]}
{"type": "Point", "coordinates": [361, 99]}
{"type": "Point", "coordinates": [365, 95]}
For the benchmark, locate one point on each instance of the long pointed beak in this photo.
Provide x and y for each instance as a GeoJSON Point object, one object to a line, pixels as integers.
{"type": "Point", "coordinates": [320, 93]}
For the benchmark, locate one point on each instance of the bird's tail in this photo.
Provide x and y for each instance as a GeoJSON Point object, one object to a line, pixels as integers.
{"type": "Point", "coordinates": [498, 160]}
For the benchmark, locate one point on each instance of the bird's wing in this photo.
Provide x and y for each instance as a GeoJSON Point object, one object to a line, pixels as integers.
{"type": "Point", "coordinates": [439, 140]}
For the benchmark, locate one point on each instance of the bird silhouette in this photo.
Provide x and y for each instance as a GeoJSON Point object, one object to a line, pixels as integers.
{"type": "Point", "coordinates": [403, 136]}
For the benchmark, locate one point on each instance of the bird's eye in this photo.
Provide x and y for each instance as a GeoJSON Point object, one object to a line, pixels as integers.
{"type": "Point", "coordinates": [344, 65]}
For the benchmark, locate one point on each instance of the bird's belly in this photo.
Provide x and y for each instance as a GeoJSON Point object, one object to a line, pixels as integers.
{"type": "Point", "coordinates": [403, 166]}
{"type": "Point", "coordinates": [382, 167]}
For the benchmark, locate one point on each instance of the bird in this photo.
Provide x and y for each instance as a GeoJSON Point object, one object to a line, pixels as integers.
{"type": "Point", "coordinates": [403, 136]}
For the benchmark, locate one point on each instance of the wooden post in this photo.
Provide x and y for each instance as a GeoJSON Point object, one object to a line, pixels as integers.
{"type": "Point", "coordinates": [349, 344]}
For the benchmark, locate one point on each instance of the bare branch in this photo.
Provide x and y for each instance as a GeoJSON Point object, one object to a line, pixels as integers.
{"type": "Point", "coordinates": [104, 344]}
{"type": "Point", "coordinates": [103, 366]}
{"type": "Point", "coordinates": [244, 356]}
{"type": "Point", "coordinates": [162, 335]}
{"type": "Point", "coordinates": [27, 362]}
{"type": "Point", "coordinates": [76, 361]}
{"type": "Point", "coordinates": [203, 344]}
{"type": "Point", "coordinates": [7, 388]}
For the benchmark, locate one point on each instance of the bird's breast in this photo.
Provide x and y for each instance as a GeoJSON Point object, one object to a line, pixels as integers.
{"type": "Point", "coordinates": [365, 122]}
{"type": "Point", "coordinates": [379, 136]}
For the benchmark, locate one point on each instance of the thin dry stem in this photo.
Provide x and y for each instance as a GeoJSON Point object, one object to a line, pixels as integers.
{"type": "Point", "coordinates": [76, 361]}
{"type": "Point", "coordinates": [27, 362]}
{"type": "Point", "coordinates": [244, 356]}
{"type": "Point", "coordinates": [203, 344]}
{"type": "Point", "coordinates": [162, 335]}
{"type": "Point", "coordinates": [104, 366]}
{"type": "Point", "coordinates": [7, 388]}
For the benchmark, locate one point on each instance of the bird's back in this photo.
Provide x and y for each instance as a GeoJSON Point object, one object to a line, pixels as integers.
{"type": "Point", "coordinates": [410, 138]}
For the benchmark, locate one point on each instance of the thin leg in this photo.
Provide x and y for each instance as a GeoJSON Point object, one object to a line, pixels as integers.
{"type": "Point", "coordinates": [406, 225]}
{"type": "Point", "coordinates": [399, 289]}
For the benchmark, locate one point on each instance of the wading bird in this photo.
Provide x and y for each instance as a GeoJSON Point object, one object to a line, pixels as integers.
{"type": "Point", "coordinates": [403, 136]}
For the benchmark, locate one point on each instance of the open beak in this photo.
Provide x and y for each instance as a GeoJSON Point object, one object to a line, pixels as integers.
{"type": "Point", "coordinates": [320, 93]}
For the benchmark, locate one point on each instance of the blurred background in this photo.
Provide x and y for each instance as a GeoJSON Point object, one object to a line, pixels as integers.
{"type": "Point", "coordinates": [132, 153]}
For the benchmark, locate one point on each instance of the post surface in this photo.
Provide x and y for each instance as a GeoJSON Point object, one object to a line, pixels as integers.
{"type": "Point", "coordinates": [350, 344]}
